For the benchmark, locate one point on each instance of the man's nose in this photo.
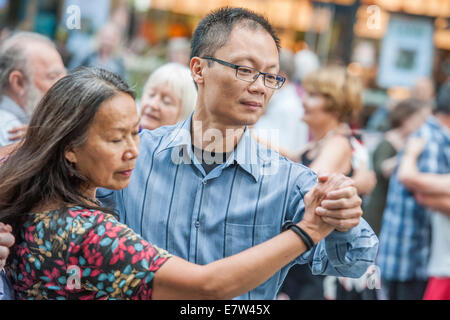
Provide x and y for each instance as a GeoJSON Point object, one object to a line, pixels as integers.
{"type": "Point", "coordinates": [258, 84]}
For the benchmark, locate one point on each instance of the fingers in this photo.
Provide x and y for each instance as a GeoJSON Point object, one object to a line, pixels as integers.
{"type": "Point", "coordinates": [345, 192]}
{"type": "Point", "coordinates": [17, 132]}
{"type": "Point", "coordinates": [333, 187]}
{"type": "Point", "coordinates": [5, 227]}
{"type": "Point", "coordinates": [353, 213]}
{"type": "Point", "coordinates": [4, 252]}
{"type": "Point", "coordinates": [346, 199]}
{"type": "Point", "coordinates": [6, 239]}
{"type": "Point", "coordinates": [15, 136]}
{"type": "Point", "coordinates": [18, 129]}
{"type": "Point", "coordinates": [342, 213]}
{"type": "Point", "coordinates": [335, 182]}
{"type": "Point", "coordinates": [341, 224]}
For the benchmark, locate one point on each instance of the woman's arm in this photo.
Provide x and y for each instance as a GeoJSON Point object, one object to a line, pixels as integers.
{"type": "Point", "coordinates": [388, 166]}
{"type": "Point", "coordinates": [334, 157]}
{"type": "Point", "coordinates": [365, 180]}
{"type": "Point", "coordinates": [235, 275]}
{"type": "Point", "coordinates": [229, 277]}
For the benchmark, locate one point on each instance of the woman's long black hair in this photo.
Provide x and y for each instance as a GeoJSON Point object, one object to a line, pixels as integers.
{"type": "Point", "coordinates": [38, 172]}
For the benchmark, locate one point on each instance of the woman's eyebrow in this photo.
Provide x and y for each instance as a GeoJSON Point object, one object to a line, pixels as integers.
{"type": "Point", "coordinates": [125, 129]}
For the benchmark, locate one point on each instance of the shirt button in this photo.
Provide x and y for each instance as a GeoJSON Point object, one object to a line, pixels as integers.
{"type": "Point", "coordinates": [197, 224]}
{"type": "Point", "coordinates": [204, 182]}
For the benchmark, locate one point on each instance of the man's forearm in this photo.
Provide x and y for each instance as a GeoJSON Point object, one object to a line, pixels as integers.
{"type": "Point", "coordinates": [429, 183]}
{"type": "Point", "coordinates": [439, 203]}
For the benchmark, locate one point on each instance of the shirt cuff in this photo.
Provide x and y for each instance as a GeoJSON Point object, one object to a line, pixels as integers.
{"type": "Point", "coordinates": [346, 235]}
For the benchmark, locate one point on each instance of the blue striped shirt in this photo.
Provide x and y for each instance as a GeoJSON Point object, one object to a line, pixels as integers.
{"type": "Point", "coordinates": [240, 203]}
{"type": "Point", "coordinates": [406, 229]}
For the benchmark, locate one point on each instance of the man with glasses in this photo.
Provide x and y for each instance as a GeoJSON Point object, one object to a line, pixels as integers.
{"type": "Point", "coordinates": [204, 189]}
{"type": "Point", "coordinates": [249, 74]}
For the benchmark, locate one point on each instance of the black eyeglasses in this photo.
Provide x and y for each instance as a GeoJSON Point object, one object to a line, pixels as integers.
{"type": "Point", "coordinates": [249, 74]}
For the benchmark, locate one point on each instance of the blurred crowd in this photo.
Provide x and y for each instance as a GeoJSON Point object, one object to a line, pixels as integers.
{"type": "Point", "coordinates": [403, 175]}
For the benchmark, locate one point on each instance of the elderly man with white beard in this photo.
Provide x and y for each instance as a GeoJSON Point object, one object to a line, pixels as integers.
{"type": "Point", "coordinates": [29, 66]}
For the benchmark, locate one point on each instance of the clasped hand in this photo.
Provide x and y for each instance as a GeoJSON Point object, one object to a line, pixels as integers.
{"type": "Point", "coordinates": [332, 204]}
{"type": "Point", "coordinates": [6, 241]}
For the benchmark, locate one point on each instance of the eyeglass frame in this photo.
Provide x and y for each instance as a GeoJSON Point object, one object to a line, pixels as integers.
{"type": "Point", "coordinates": [237, 66]}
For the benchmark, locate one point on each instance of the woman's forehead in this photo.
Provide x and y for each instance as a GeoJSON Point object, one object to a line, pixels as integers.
{"type": "Point", "coordinates": [119, 111]}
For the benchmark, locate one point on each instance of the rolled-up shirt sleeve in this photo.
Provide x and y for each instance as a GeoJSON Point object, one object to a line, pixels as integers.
{"type": "Point", "coordinates": [343, 254]}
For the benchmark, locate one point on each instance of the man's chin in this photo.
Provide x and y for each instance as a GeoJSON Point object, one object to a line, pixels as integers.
{"type": "Point", "coordinates": [249, 119]}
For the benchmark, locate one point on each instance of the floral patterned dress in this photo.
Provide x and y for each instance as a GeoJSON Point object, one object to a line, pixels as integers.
{"type": "Point", "coordinates": [77, 253]}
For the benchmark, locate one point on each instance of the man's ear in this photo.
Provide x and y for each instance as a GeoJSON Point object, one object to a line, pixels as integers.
{"type": "Point", "coordinates": [17, 83]}
{"type": "Point", "coordinates": [197, 66]}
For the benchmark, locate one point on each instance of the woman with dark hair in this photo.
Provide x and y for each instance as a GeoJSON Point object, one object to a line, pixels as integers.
{"type": "Point", "coordinates": [84, 135]}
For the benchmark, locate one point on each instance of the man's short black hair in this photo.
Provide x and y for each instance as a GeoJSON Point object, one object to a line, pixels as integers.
{"type": "Point", "coordinates": [443, 99]}
{"type": "Point", "coordinates": [213, 31]}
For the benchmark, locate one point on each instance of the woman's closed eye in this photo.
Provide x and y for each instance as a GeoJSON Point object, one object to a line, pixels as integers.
{"type": "Point", "coordinates": [120, 139]}
{"type": "Point", "coordinates": [167, 100]}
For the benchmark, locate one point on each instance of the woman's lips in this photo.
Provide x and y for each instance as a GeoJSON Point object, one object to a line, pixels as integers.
{"type": "Point", "coordinates": [151, 116]}
{"type": "Point", "coordinates": [126, 173]}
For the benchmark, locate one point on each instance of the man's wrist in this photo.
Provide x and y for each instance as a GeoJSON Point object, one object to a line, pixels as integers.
{"type": "Point", "coordinates": [311, 231]}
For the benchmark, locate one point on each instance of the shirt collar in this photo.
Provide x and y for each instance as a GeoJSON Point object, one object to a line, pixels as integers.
{"type": "Point", "coordinates": [7, 104]}
{"type": "Point", "coordinates": [433, 122]}
{"type": "Point", "coordinates": [179, 136]}
{"type": "Point", "coordinates": [246, 153]}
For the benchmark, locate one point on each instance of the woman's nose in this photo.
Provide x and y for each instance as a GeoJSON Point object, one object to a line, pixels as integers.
{"type": "Point", "coordinates": [132, 150]}
{"type": "Point", "coordinates": [151, 103]}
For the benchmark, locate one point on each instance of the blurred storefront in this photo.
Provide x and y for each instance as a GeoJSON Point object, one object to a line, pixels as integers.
{"type": "Point", "coordinates": [389, 43]}
{"type": "Point", "coordinates": [34, 15]}
{"type": "Point", "coordinates": [341, 31]}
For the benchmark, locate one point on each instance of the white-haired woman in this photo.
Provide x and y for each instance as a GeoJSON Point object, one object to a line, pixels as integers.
{"type": "Point", "coordinates": [169, 96]}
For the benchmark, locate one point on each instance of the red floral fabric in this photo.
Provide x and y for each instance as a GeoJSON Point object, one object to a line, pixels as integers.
{"type": "Point", "coordinates": [77, 253]}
